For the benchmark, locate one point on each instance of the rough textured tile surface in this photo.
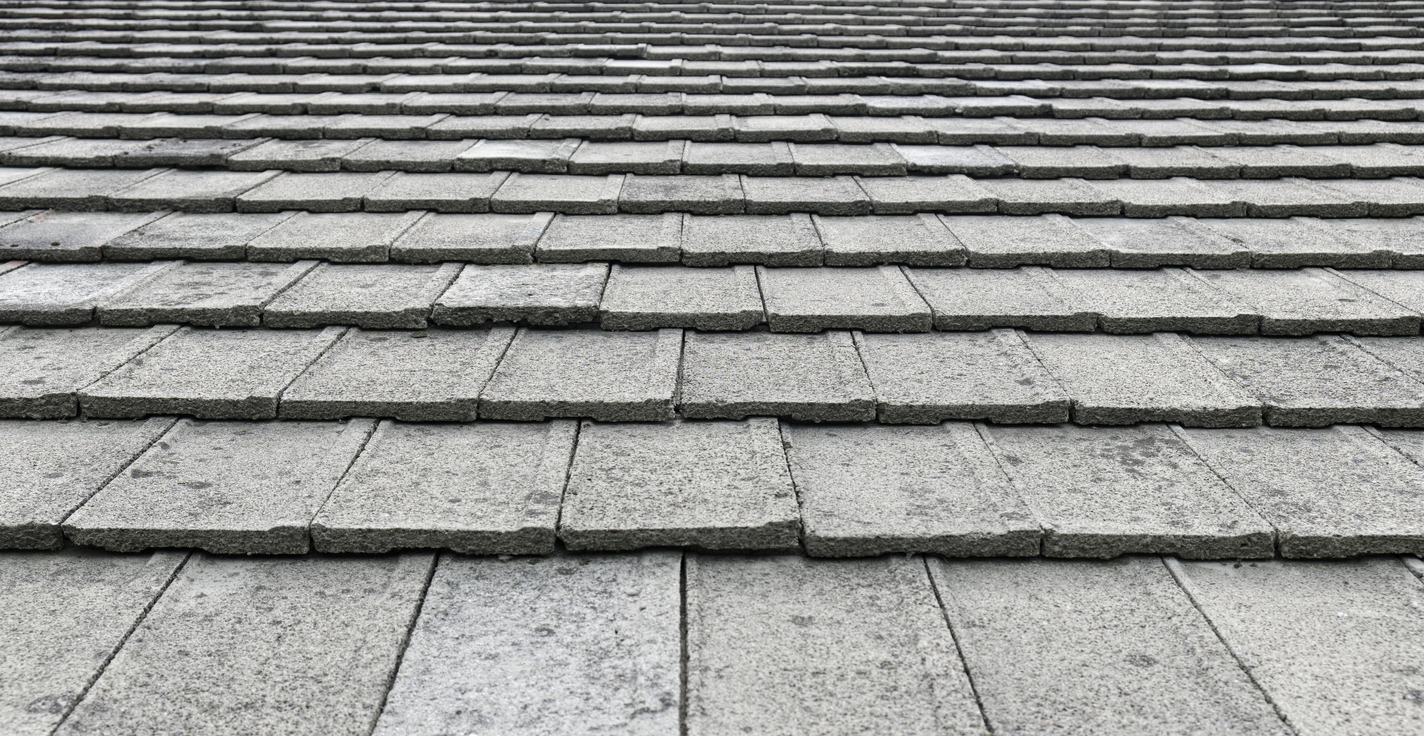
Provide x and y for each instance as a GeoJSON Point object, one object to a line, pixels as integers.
{"type": "Point", "coordinates": [604, 376]}
{"type": "Point", "coordinates": [605, 632]}
{"type": "Point", "coordinates": [77, 457]}
{"type": "Point", "coordinates": [209, 374]}
{"type": "Point", "coordinates": [1126, 379]}
{"type": "Point", "coordinates": [1107, 647]}
{"type": "Point", "coordinates": [535, 294]}
{"type": "Point", "coordinates": [993, 376]}
{"type": "Point", "coordinates": [203, 294]}
{"type": "Point", "coordinates": [815, 299]}
{"type": "Point", "coordinates": [67, 237]}
{"type": "Point", "coordinates": [804, 377]}
{"type": "Point", "coordinates": [427, 376]}
{"type": "Point", "coordinates": [980, 299]}
{"type": "Point", "coordinates": [915, 240]}
{"type": "Point", "coordinates": [341, 192]}
{"type": "Point", "coordinates": [1006, 242]}
{"type": "Point", "coordinates": [355, 237]}
{"type": "Point", "coordinates": [794, 645]}
{"type": "Point", "coordinates": [52, 295]}
{"type": "Point", "coordinates": [226, 487]}
{"type": "Point", "coordinates": [653, 297]}
{"type": "Point", "coordinates": [385, 296]}
{"type": "Point", "coordinates": [1158, 300]}
{"type": "Point", "coordinates": [572, 195]}
{"type": "Point", "coordinates": [873, 490]}
{"type": "Point", "coordinates": [41, 369]}
{"type": "Point", "coordinates": [708, 485]}
{"type": "Point", "coordinates": [473, 238]}
{"type": "Point", "coordinates": [1104, 492]}
{"type": "Point", "coordinates": [1156, 242]}
{"type": "Point", "coordinates": [1312, 300]}
{"type": "Point", "coordinates": [205, 237]}
{"type": "Point", "coordinates": [1318, 381]}
{"type": "Point", "coordinates": [481, 488]}
{"type": "Point", "coordinates": [294, 646]}
{"type": "Point", "coordinates": [66, 613]}
{"type": "Point", "coordinates": [189, 191]}
{"type": "Point", "coordinates": [766, 240]}
{"type": "Point", "coordinates": [436, 192]}
{"type": "Point", "coordinates": [1295, 242]}
{"type": "Point", "coordinates": [1332, 642]}
{"type": "Point", "coordinates": [627, 238]}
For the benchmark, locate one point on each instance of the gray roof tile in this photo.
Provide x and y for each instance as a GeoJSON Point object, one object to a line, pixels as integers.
{"type": "Point", "coordinates": [481, 238]}
{"type": "Point", "coordinates": [205, 294]}
{"type": "Point", "coordinates": [44, 367]}
{"type": "Point", "coordinates": [1313, 300]}
{"type": "Point", "coordinates": [58, 295]}
{"type": "Point", "coordinates": [763, 239]}
{"type": "Point", "coordinates": [628, 238]}
{"type": "Point", "coordinates": [352, 237]}
{"type": "Point", "coordinates": [803, 377]}
{"type": "Point", "coordinates": [370, 296]}
{"type": "Point", "coordinates": [811, 300]}
{"type": "Point", "coordinates": [341, 192]}
{"type": "Point", "coordinates": [447, 192]}
{"type": "Point", "coordinates": [537, 294]}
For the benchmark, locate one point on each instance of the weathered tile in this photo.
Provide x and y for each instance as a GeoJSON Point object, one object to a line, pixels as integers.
{"type": "Point", "coordinates": [1296, 242]}
{"type": "Point", "coordinates": [916, 240]}
{"type": "Point", "coordinates": [980, 299]}
{"type": "Point", "coordinates": [1108, 491]}
{"type": "Point", "coordinates": [762, 239]}
{"type": "Point", "coordinates": [71, 189]}
{"type": "Point", "coordinates": [342, 237]}
{"type": "Point", "coordinates": [529, 156]}
{"type": "Point", "coordinates": [292, 646]}
{"type": "Point", "coordinates": [1405, 288]}
{"type": "Point", "coordinates": [224, 487]}
{"type": "Point", "coordinates": [697, 195]}
{"type": "Point", "coordinates": [481, 238]}
{"type": "Point", "coordinates": [1330, 642]}
{"type": "Point", "coordinates": [1312, 300]}
{"type": "Point", "coordinates": [448, 192]}
{"type": "Point", "coordinates": [697, 128]}
{"type": "Point", "coordinates": [1401, 237]}
{"type": "Point", "coordinates": [189, 191]}
{"type": "Point", "coordinates": [339, 192]}
{"type": "Point", "coordinates": [1159, 300]}
{"type": "Point", "coordinates": [1318, 381]}
{"type": "Point", "coordinates": [623, 157]}
{"type": "Point", "coordinates": [50, 468]}
{"type": "Point", "coordinates": [309, 156]}
{"type": "Point", "coordinates": [605, 630]}
{"type": "Point", "coordinates": [535, 294]}
{"type": "Point", "coordinates": [1126, 379]}
{"type": "Point", "coordinates": [829, 159]}
{"type": "Point", "coordinates": [1049, 196]}
{"type": "Point", "coordinates": [627, 238]}
{"type": "Point", "coordinates": [874, 490]}
{"type": "Point", "coordinates": [654, 297]}
{"type": "Point", "coordinates": [1335, 492]}
{"type": "Point", "coordinates": [1052, 162]}
{"type": "Point", "coordinates": [67, 236]}
{"type": "Point", "coordinates": [46, 295]}
{"type": "Point", "coordinates": [41, 369]}
{"type": "Point", "coordinates": [1177, 196]}
{"type": "Point", "coordinates": [604, 376]}
{"type": "Point", "coordinates": [764, 159]}
{"type": "Point", "coordinates": [804, 377]}
{"type": "Point", "coordinates": [66, 613]}
{"type": "Point", "coordinates": [993, 376]}
{"type": "Point", "coordinates": [475, 488]}
{"type": "Point", "coordinates": [209, 374]}
{"type": "Point", "coordinates": [1005, 242]}
{"type": "Point", "coordinates": [421, 156]}
{"type": "Point", "coordinates": [831, 195]}
{"type": "Point", "coordinates": [1292, 198]}
{"type": "Point", "coordinates": [971, 160]}
{"type": "Point", "coordinates": [1153, 243]}
{"type": "Point", "coordinates": [572, 195]}
{"type": "Point", "coordinates": [866, 649]}
{"type": "Point", "coordinates": [814, 299]}
{"type": "Point", "coordinates": [202, 237]}
{"type": "Point", "coordinates": [1102, 647]}
{"type": "Point", "coordinates": [385, 296]}
{"type": "Point", "coordinates": [908, 195]}
{"type": "Point", "coordinates": [203, 294]}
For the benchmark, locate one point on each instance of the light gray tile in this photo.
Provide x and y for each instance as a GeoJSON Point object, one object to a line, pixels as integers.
{"type": "Point", "coordinates": [67, 236]}
{"type": "Point", "coordinates": [384, 296]}
{"type": "Point", "coordinates": [572, 195]}
{"type": "Point", "coordinates": [804, 377]}
{"type": "Point", "coordinates": [435, 192]}
{"type": "Point", "coordinates": [814, 299]}
{"type": "Point", "coordinates": [626, 238]}
{"type": "Point", "coordinates": [1157, 242]}
{"type": "Point", "coordinates": [1006, 242]}
{"type": "Point", "coordinates": [473, 238]}
{"type": "Point", "coordinates": [1305, 301]}
{"type": "Point", "coordinates": [203, 237]}
{"type": "Point", "coordinates": [1159, 300]}
{"type": "Point", "coordinates": [52, 295]}
{"type": "Point", "coordinates": [981, 299]}
{"type": "Point", "coordinates": [338, 192]}
{"type": "Point", "coordinates": [654, 297]}
{"type": "Point", "coordinates": [914, 240]}
{"type": "Point", "coordinates": [1295, 243]}
{"type": "Point", "coordinates": [348, 237]}
{"type": "Point", "coordinates": [204, 294]}
{"type": "Point", "coordinates": [42, 369]}
{"type": "Point", "coordinates": [763, 239]}
{"type": "Point", "coordinates": [189, 191]}
{"type": "Point", "coordinates": [536, 294]}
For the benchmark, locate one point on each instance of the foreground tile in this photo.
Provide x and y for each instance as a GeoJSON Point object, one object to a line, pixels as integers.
{"type": "Point", "coordinates": [1160, 300]}
{"type": "Point", "coordinates": [626, 238]}
{"type": "Point", "coordinates": [813, 378]}
{"type": "Point", "coordinates": [64, 615]}
{"type": "Point", "coordinates": [49, 468]}
{"type": "Point", "coordinates": [428, 376]}
{"type": "Point", "coordinates": [1335, 644]}
{"type": "Point", "coordinates": [482, 488]}
{"type": "Point", "coordinates": [201, 237]}
{"type": "Point", "coordinates": [1108, 491]}
{"type": "Point", "coordinates": [604, 376]}
{"type": "Point", "coordinates": [872, 490]}
{"type": "Point", "coordinates": [209, 374]}
{"type": "Point", "coordinates": [297, 646]}
{"type": "Point", "coordinates": [996, 241]}
{"type": "Point", "coordinates": [384, 296]}
{"type": "Point", "coordinates": [794, 645]}
{"type": "Point", "coordinates": [654, 297]}
{"type": "Point", "coordinates": [45, 295]}
{"type": "Point", "coordinates": [914, 240]}
{"type": "Point", "coordinates": [41, 370]}
{"type": "Point", "coordinates": [203, 294]}
{"type": "Point", "coordinates": [564, 645]}
{"type": "Point", "coordinates": [815, 299]}
{"type": "Point", "coordinates": [1104, 648]}
{"type": "Point", "coordinates": [225, 487]}
{"type": "Point", "coordinates": [68, 237]}
{"type": "Point", "coordinates": [709, 485]}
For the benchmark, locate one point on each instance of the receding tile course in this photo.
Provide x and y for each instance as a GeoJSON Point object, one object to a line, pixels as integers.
{"type": "Point", "coordinates": [385, 296]}
{"type": "Point", "coordinates": [431, 375]}
{"type": "Point", "coordinates": [708, 485]}
{"type": "Point", "coordinates": [54, 295]}
{"type": "Point", "coordinates": [654, 297]}
{"type": "Point", "coordinates": [496, 490]}
{"type": "Point", "coordinates": [604, 376]}
{"type": "Point", "coordinates": [627, 238]}
{"type": "Point", "coordinates": [1108, 491]}
{"type": "Point", "coordinates": [767, 631]}
{"type": "Point", "coordinates": [203, 294]}
{"type": "Point", "coordinates": [311, 156]}
{"type": "Point", "coordinates": [339, 192]}
{"type": "Point", "coordinates": [605, 631]}
{"type": "Point", "coordinates": [483, 238]}
{"type": "Point", "coordinates": [536, 294]}
{"type": "Point", "coordinates": [354, 237]}
{"type": "Point", "coordinates": [203, 237]}
{"type": "Point", "coordinates": [71, 189]}
{"type": "Point", "coordinates": [980, 299]}
{"type": "Point", "coordinates": [209, 374]}
{"type": "Point", "coordinates": [761, 239]}
{"type": "Point", "coordinates": [1310, 300]}
{"type": "Point", "coordinates": [41, 369]}
{"type": "Point", "coordinates": [876, 299]}
{"type": "Point", "coordinates": [872, 490]}
{"type": "Point", "coordinates": [804, 377]}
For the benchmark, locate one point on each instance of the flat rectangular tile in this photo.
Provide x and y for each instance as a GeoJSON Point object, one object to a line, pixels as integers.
{"type": "Point", "coordinates": [571, 195]}
{"type": "Point", "coordinates": [654, 297]}
{"type": "Point", "coordinates": [42, 294]}
{"type": "Point", "coordinates": [203, 294]}
{"type": "Point", "coordinates": [349, 237]}
{"type": "Point", "coordinates": [203, 237]}
{"type": "Point", "coordinates": [762, 239]}
{"type": "Point", "coordinates": [626, 238]}
{"type": "Point", "coordinates": [867, 240]}
{"type": "Point", "coordinates": [1305, 301]}
{"type": "Point", "coordinates": [604, 376]}
{"type": "Point", "coordinates": [434, 192]}
{"type": "Point", "coordinates": [540, 294]}
{"type": "Point", "coordinates": [480, 488]}
{"type": "Point", "coordinates": [1158, 300]}
{"type": "Point", "coordinates": [426, 376]}
{"type": "Point", "coordinates": [1295, 243]}
{"type": "Point", "coordinates": [803, 377]}
{"type": "Point", "coordinates": [1006, 242]}
{"type": "Point", "coordinates": [189, 191]}
{"type": "Point", "coordinates": [1107, 491]}
{"type": "Point", "coordinates": [815, 299]}
{"type": "Point", "coordinates": [225, 487]}
{"type": "Point", "coordinates": [384, 296]}
{"type": "Point", "coordinates": [481, 238]}
{"type": "Point", "coordinates": [873, 490]}
{"type": "Point", "coordinates": [41, 369]}
{"type": "Point", "coordinates": [709, 485]}
{"type": "Point", "coordinates": [67, 237]}
{"type": "Point", "coordinates": [1157, 242]}
{"type": "Point", "coordinates": [338, 192]}
{"type": "Point", "coordinates": [980, 299]}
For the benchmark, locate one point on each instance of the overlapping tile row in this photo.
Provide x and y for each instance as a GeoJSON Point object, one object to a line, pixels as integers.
{"type": "Point", "coordinates": [322, 645]}
{"type": "Point", "coordinates": [307, 293]}
{"type": "Point", "coordinates": [956, 489]}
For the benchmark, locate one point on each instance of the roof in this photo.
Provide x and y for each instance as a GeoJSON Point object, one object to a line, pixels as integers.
{"type": "Point", "coordinates": [699, 368]}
